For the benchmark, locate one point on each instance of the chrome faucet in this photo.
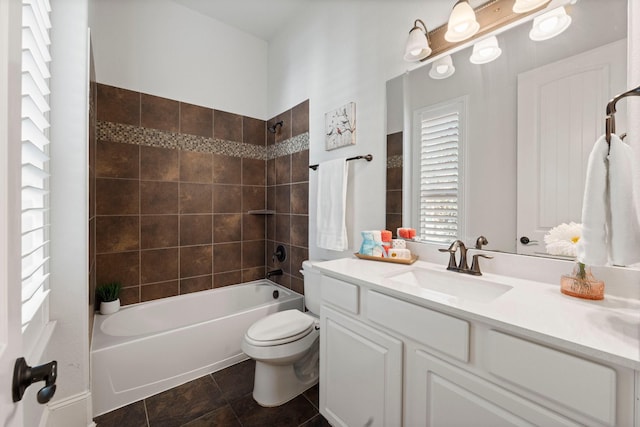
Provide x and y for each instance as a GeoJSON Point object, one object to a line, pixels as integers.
{"type": "Point", "coordinates": [461, 266]}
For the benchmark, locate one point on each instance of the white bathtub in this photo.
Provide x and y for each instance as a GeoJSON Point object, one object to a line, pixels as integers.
{"type": "Point", "coordinates": [150, 347]}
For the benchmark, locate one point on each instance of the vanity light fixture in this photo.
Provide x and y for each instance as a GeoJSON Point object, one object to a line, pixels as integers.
{"type": "Point", "coordinates": [417, 47]}
{"type": "Point", "coordinates": [467, 25]}
{"type": "Point", "coordinates": [550, 24]}
{"type": "Point", "coordinates": [442, 68]}
{"type": "Point", "coordinates": [522, 6]}
{"type": "Point", "coordinates": [462, 22]}
{"type": "Point", "coordinates": [485, 51]}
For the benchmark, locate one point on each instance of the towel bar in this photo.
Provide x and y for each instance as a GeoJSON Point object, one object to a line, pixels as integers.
{"type": "Point", "coordinates": [610, 121]}
{"type": "Point", "coordinates": [368, 158]}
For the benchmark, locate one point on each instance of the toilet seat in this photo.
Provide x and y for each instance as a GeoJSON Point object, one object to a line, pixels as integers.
{"type": "Point", "coordinates": [280, 328]}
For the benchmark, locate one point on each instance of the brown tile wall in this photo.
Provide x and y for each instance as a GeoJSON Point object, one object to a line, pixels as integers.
{"type": "Point", "coordinates": [288, 196]}
{"type": "Point", "coordinates": [170, 221]}
{"type": "Point", "coordinates": [394, 181]}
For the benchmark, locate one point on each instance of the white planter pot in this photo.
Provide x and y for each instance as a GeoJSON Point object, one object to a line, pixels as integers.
{"type": "Point", "coordinates": [109, 307]}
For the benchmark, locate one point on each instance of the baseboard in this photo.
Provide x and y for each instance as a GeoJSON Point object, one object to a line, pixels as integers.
{"type": "Point", "coordinates": [72, 411]}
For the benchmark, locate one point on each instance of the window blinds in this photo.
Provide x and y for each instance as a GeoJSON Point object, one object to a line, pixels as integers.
{"type": "Point", "coordinates": [439, 145]}
{"type": "Point", "coordinates": [35, 165]}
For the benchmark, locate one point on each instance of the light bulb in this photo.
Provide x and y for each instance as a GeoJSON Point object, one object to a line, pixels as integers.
{"type": "Point", "coordinates": [442, 68]}
{"type": "Point", "coordinates": [462, 23]}
{"type": "Point", "coordinates": [550, 24]}
{"type": "Point", "coordinates": [485, 51]}
{"type": "Point", "coordinates": [461, 28]}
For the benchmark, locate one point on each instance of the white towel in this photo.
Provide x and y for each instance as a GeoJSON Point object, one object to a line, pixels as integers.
{"type": "Point", "coordinates": [593, 246]}
{"type": "Point", "coordinates": [332, 198]}
{"type": "Point", "coordinates": [610, 223]}
{"type": "Point", "coordinates": [625, 222]}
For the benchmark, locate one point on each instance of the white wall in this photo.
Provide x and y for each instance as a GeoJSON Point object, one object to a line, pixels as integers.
{"type": "Point", "coordinates": [339, 52]}
{"type": "Point", "coordinates": [69, 205]}
{"type": "Point", "coordinates": [165, 49]}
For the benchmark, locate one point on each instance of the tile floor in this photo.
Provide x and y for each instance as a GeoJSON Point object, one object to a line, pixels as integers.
{"type": "Point", "coordinates": [221, 399]}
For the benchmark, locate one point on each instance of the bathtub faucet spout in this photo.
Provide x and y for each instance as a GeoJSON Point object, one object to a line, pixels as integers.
{"type": "Point", "coordinates": [277, 272]}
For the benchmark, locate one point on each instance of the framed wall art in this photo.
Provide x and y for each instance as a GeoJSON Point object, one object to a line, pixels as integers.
{"type": "Point", "coordinates": [340, 126]}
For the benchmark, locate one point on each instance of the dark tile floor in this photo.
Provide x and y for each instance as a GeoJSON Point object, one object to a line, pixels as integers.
{"type": "Point", "coordinates": [221, 399]}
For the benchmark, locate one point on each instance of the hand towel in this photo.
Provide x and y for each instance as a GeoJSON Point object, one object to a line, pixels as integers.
{"type": "Point", "coordinates": [593, 246]}
{"type": "Point", "coordinates": [332, 198]}
{"type": "Point", "coordinates": [610, 222]}
{"type": "Point", "coordinates": [625, 222]}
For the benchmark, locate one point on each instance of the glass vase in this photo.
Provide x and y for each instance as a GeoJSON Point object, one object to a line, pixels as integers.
{"type": "Point", "coordinates": [581, 283]}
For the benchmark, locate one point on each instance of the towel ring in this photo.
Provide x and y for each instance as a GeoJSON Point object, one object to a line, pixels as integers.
{"type": "Point", "coordinates": [610, 120]}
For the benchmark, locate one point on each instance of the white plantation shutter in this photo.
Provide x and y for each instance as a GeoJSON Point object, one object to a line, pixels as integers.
{"type": "Point", "coordinates": [439, 172]}
{"type": "Point", "coordinates": [35, 165]}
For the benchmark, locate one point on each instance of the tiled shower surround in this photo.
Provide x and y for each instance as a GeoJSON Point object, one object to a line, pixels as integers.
{"type": "Point", "coordinates": [394, 181]}
{"type": "Point", "coordinates": [175, 183]}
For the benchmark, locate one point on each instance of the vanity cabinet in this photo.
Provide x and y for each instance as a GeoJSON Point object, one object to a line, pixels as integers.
{"type": "Point", "coordinates": [361, 373]}
{"type": "Point", "coordinates": [441, 394]}
{"type": "Point", "coordinates": [390, 362]}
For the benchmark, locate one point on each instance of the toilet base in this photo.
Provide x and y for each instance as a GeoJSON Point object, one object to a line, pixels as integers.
{"type": "Point", "coordinates": [275, 385]}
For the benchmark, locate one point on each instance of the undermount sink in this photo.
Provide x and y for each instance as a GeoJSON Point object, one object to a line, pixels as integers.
{"type": "Point", "coordinates": [448, 285]}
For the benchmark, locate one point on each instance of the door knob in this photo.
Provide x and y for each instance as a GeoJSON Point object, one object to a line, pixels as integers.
{"type": "Point", "coordinates": [526, 241]}
{"type": "Point", "coordinates": [25, 375]}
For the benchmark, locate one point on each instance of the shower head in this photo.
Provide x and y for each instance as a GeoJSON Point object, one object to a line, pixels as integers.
{"type": "Point", "coordinates": [273, 128]}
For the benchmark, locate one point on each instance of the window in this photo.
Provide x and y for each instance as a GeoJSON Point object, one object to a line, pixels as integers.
{"type": "Point", "coordinates": [35, 164]}
{"type": "Point", "coordinates": [437, 162]}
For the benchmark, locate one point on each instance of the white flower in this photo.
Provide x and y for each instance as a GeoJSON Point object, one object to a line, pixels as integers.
{"type": "Point", "coordinates": [562, 240]}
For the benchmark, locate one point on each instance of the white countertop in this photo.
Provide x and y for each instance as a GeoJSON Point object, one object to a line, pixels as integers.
{"type": "Point", "coordinates": [608, 330]}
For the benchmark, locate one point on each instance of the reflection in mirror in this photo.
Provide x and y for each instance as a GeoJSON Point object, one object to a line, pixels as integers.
{"type": "Point", "coordinates": [527, 123]}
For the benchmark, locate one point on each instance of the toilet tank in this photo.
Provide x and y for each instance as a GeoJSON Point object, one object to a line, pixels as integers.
{"type": "Point", "coordinates": [311, 287]}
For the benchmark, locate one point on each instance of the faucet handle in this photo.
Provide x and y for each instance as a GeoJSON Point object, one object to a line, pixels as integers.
{"type": "Point", "coordinates": [480, 241]}
{"type": "Point", "coordinates": [452, 258]}
{"type": "Point", "coordinates": [475, 264]}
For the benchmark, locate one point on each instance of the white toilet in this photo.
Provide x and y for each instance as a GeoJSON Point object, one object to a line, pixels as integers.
{"type": "Point", "coordinates": [285, 346]}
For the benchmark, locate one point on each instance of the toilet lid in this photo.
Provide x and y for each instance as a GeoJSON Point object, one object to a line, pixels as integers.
{"type": "Point", "coordinates": [280, 328]}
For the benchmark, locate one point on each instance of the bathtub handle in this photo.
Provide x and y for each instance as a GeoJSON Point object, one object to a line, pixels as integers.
{"type": "Point", "coordinates": [25, 375]}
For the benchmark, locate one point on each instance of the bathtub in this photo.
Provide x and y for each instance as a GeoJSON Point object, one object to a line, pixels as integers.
{"type": "Point", "coordinates": [151, 347]}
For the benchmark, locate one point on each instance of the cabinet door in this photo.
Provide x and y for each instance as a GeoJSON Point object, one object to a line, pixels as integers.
{"type": "Point", "coordinates": [360, 373]}
{"type": "Point", "coordinates": [442, 395]}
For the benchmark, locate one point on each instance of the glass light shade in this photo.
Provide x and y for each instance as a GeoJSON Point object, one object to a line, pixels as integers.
{"type": "Point", "coordinates": [522, 6]}
{"type": "Point", "coordinates": [417, 47]}
{"type": "Point", "coordinates": [462, 23]}
{"type": "Point", "coordinates": [485, 51]}
{"type": "Point", "coordinates": [550, 24]}
{"type": "Point", "coordinates": [442, 68]}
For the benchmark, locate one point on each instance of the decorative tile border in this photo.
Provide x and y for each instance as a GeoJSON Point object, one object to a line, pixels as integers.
{"type": "Point", "coordinates": [136, 135]}
{"type": "Point", "coordinates": [289, 146]}
{"type": "Point", "coordinates": [394, 162]}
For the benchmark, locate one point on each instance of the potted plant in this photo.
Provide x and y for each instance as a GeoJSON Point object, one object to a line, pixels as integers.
{"type": "Point", "coordinates": [109, 297]}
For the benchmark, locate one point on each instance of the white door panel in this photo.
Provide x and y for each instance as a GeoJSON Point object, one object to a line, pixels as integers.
{"type": "Point", "coordinates": [561, 109]}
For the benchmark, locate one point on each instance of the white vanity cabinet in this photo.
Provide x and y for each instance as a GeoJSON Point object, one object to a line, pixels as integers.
{"type": "Point", "coordinates": [361, 373]}
{"type": "Point", "coordinates": [441, 394]}
{"type": "Point", "coordinates": [390, 362]}
{"type": "Point", "coordinates": [360, 367]}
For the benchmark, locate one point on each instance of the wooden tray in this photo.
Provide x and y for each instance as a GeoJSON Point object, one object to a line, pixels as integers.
{"type": "Point", "coordinates": [413, 259]}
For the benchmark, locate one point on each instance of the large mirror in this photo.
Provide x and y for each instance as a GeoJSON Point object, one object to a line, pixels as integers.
{"type": "Point", "coordinates": [527, 123]}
